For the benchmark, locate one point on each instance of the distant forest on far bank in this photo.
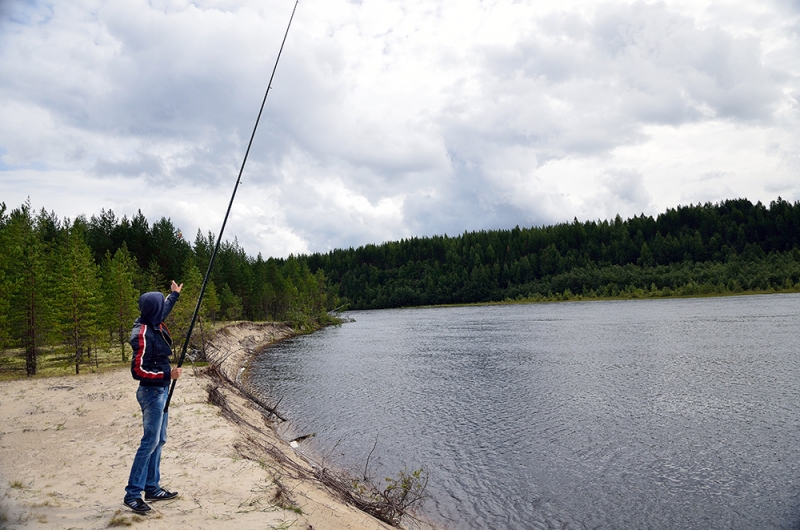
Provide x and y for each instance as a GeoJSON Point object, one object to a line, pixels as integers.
{"type": "Point", "coordinates": [72, 285]}
{"type": "Point", "coordinates": [728, 247]}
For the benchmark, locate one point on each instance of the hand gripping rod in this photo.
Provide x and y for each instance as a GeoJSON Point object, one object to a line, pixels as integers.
{"type": "Point", "coordinates": [230, 204]}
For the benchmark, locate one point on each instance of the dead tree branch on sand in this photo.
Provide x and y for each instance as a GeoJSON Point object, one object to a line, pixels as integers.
{"type": "Point", "coordinates": [391, 503]}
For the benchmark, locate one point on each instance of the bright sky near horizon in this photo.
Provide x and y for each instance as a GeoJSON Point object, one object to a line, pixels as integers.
{"type": "Point", "coordinates": [390, 119]}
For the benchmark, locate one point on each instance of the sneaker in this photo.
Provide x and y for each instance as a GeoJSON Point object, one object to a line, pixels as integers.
{"type": "Point", "coordinates": [137, 505]}
{"type": "Point", "coordinates": [160, 495]}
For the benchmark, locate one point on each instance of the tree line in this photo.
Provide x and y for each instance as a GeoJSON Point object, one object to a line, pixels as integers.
{"type": "Point", "coordinates": [730, 246]}
{"type": "Point", "coordinates": [71, 286]}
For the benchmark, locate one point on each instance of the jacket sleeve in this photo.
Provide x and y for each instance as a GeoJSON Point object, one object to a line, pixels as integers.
{"type": "Point", "coordinates": [143, 367]}
{"type": "Point", "coordinates": [168, 303]}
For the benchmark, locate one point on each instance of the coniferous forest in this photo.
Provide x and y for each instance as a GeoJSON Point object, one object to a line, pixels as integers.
{"type": "Point", "coordinates": [72, 285]}
{"type": "Point", "coordinates": [729, 247]}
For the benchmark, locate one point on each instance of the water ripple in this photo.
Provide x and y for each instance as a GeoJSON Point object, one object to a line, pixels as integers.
{"type": "Point", "coordinates": [636, 414]}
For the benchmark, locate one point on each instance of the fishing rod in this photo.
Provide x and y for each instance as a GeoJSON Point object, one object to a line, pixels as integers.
{"type": "Point", "coordinates": [230, 204]}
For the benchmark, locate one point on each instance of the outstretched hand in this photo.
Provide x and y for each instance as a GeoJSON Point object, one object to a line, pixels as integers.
{"type": "Point", "coordinates": [175, 287]}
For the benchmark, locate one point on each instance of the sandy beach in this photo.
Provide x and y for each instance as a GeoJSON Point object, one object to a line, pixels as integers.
{"type": "Point", "coordinates": [67, 443]}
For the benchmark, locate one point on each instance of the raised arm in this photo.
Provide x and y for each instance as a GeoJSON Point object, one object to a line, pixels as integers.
{"type": "Point", "coordinates": [171, 299]}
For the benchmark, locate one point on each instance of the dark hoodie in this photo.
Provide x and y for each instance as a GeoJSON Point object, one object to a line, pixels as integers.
{"type": "Point", "coordinates": [151, 341]}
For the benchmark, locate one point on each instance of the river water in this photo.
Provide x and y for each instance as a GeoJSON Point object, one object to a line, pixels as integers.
{"type": "Point", "coordinates": [676, 413]}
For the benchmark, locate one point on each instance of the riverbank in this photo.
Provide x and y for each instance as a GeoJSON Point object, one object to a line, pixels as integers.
{"type": "Point", "coordinates": [66, 445]}
{"type": "Point", "coordinates": [635, 294]}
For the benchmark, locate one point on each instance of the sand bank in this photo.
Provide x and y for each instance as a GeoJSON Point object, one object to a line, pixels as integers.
{"type": "Point", "coordinates": [67, 443]}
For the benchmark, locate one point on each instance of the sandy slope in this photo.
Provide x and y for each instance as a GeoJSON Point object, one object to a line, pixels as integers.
{"type": "Point", "coordinates": [66, 446]}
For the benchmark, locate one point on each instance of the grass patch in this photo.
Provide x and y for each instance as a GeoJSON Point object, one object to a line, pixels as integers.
{"type": "Point", "coordinates": [55, 361]}
{"type": "Point", "coordinates": [283, 500]}
{"type": "Point", "coordinates": [16, 485]}
{"type": "Point", "coordinates": [52, 362]}
{"type": "Point", "coordinates": [120, 520]}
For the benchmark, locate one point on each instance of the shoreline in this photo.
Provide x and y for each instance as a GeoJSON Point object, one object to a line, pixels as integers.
{"type": "Point", "coordinates": [66, 445]}
{"type": "Point", "coordinates": [582, 298]}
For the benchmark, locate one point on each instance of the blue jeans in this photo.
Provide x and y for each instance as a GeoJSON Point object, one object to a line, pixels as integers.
{"type": "Point", "coordinates": [145, 472]}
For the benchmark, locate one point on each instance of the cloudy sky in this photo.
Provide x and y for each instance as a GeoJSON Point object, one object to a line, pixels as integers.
{"type": "Point", "coordinates": [394, 118]}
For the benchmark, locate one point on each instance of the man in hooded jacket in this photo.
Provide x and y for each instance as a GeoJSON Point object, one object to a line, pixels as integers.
{"type": "Point", "coordinates": [152, 348]}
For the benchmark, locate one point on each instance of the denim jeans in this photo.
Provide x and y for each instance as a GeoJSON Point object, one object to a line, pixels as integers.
{"type": "Point", "coordinates": [145, 472]}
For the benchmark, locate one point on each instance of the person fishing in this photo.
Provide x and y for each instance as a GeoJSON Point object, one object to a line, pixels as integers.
{"type": "Point", "coordinates": [152, 348]}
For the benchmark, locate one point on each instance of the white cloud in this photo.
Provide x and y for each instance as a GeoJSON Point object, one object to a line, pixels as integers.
{"type": "Point", "coordinates": [391, 119]}
{"type": "Point", "coordinates": [623, 191]}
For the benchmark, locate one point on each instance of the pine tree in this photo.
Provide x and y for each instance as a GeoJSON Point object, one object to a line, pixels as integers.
{"type": "Point", "coordinates": [152, 279]}
{"type": "Point", "coordinates": [230, 304]}
{"type": "Point", "coordinates": [77, 294]}
{"type": "Point", "coordinates": [100, 234]}
{"type": "Point", "coordinates": [5, 284]}
{"type": "Point", "coordinates": [119, 296]}
{"type": "Point", "coordinates": [203, 248]}
{"type": "Point", "coordinates": [169, 249]}
{"type": "Point", "coordinates": [276, 299]}
{"type": "Point", "coordinates": [211, 303]}
{"type": "Point", "coordinates": [30, 315]}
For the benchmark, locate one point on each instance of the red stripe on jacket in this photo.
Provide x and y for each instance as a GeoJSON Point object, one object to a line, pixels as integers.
{"type": "Point", "coordinates": [137, 363]}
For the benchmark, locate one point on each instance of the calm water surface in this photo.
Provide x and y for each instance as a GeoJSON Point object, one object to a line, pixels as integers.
{"type": "Point", "coordinates": [628, 414]}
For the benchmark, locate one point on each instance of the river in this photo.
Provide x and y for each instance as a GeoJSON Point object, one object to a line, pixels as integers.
{"type": "Point", "coordinates": [667, 413]}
